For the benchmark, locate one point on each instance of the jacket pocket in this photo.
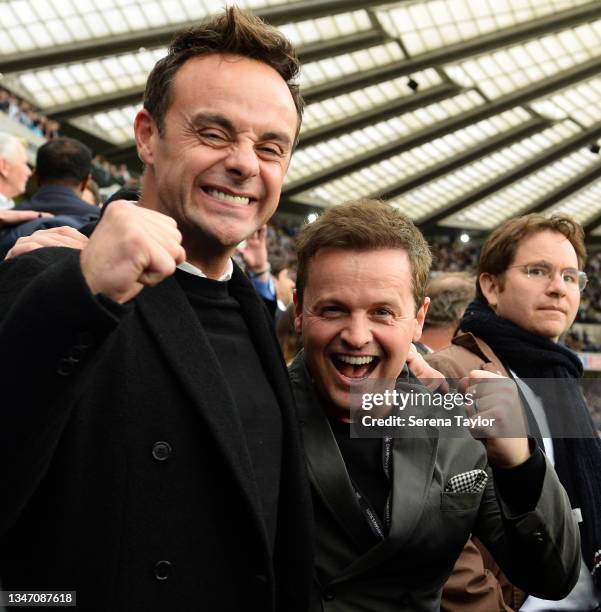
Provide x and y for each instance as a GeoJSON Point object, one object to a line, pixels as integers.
{"type": "Point", "coordinates": [460, 502]}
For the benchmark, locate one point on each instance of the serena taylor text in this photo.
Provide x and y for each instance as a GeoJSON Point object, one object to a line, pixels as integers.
{"type": "Point", "coordinates": [477, 421]}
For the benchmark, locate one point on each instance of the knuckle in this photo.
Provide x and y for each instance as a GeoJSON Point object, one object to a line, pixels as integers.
{"type": "Point", "coordinates": [134, 239]}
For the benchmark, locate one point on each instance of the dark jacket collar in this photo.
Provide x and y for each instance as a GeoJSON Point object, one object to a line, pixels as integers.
{"type": "Point", "coordinates": [331, 481]}
{"type": "Point", "coordinates": [59, 200]}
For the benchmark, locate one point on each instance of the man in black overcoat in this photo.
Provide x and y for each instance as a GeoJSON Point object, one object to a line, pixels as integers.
{"type": "Point", "coordinates": [149, 453]}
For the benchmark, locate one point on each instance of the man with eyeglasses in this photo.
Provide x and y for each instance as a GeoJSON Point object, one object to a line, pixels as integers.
{"type": "Point", "coordinates": [528, 291]}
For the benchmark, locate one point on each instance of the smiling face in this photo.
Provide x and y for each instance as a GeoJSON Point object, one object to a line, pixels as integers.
{"type": "Point", "coordinates": [357, 319]}
{"type": "Point", "coordinates": [219, 166]}
{"type": "Point", "coordinates": [544, 307]}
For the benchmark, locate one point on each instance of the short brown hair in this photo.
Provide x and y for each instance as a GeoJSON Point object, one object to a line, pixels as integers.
{"type": "Point", "coordinates": [233, 32]}
{"type": "Point", "coordinates": [365, 225]}
{"type": "Point", "coordinates": [498, 252]}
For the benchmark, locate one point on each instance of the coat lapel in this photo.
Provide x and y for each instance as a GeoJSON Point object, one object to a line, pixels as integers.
{"type": "Point", "coordinates": [327, 470]}
{"type": "Point", "coordinates": [261, 328]}
{"type": "Point", "coordinates": [478, 347]}
{"type": "Point", "coordinates": [413, 468]}
{"type": "Point", "coordinates": [176, 328]}
{"type": "Point", "coordinates": [414, 460]}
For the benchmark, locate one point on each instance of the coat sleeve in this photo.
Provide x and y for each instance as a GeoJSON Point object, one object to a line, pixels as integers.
{"type": "Point", "coordinates": [471, 587]}
{"type": "Point", "coordinates": [445, 362]}
{"type": "Point", "coordinates": [51, 328]}
{"type": "Point", "coordinates": [539, 550]}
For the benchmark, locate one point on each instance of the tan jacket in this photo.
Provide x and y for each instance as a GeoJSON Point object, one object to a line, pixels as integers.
{"type": "Point", "coordinates": [477, 583]}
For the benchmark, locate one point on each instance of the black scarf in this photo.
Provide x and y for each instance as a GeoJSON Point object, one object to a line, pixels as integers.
{"type": "Point", "coordinates": [577, 460]}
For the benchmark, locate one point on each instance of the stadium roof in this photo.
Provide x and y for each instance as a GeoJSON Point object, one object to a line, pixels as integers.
{"type": "Point", "coordinates": [461, 112]}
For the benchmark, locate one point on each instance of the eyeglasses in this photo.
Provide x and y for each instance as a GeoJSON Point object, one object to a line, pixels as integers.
{"type": "Point", "coordinates": [542, 272]}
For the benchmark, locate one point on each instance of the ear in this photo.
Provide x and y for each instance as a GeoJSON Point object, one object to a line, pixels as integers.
{"type": "Point", "coordinates": [420, 317]}
{"type": "Point", "coordinates": [3, 167]}
{"type": "Point", "coordinates": [489, 284]}
{"type": "Point", "coordinates": [146, 134]}
{"type": "Point", "coordinates": [298, 311]}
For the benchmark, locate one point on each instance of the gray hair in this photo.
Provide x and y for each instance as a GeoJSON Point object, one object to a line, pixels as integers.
{"type": "Point", "coordinates": [9, 146]}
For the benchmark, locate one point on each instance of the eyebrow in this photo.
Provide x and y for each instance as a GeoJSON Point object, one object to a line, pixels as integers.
{"type": "Point", "coordinates": [225, 123]}
{"type": "Point", "coordinates": [542, 262]}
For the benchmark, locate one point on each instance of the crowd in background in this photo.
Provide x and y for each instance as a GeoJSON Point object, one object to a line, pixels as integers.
{"type": "Point", "coordinates": [25, 114]}
{"type": "Point", "coordinates": [446, 256]}
{"type": "Point", "coordinates": [104, 173]}
{"type": "Point", "coordinates": [107, 174]}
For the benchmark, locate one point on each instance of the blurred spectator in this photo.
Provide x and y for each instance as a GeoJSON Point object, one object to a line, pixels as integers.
{"type": "Point", "coordinates": [4, 101]}
{"type": "Point", "coordinates": [91, 194]}
{"type": "Point", "coordinates": [101, 172]}
{"type": "Point", "coordinates": [449, 293]}
{"type": "Point", "coordinates": [590, 305]}
{"type": "Point", "coordinates": [14, 170]}
{"type": "Point", "coordinates": [63, 171]}
{"type": "Point", "coordinates": [52, 129]}
{"type": "Point", "coordinates": [287, 337]}
{"type": "Point", "coordinates": [109, 177]}
{"type": "Point", "coordinates": [13, 106]}
{"type": "Point", "coordinates": [283, 279]}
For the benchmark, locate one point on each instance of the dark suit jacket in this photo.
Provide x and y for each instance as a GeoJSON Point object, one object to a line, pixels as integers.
{"type": "Point", "coordinates": [124, 470]}
{"type": "Point", "coordinates": [406, 570]}
{"type": "Point", "coordinates": [59, 200]}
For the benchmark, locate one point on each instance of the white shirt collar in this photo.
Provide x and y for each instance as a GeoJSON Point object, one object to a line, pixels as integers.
{"type": "Point", "coordinates": [226, 276]}
{"type": "Point", "coordinates": [6, 203]}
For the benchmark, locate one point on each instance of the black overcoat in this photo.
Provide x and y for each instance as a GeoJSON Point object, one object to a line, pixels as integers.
{"type": "Point", "coordinates": [123, 468]}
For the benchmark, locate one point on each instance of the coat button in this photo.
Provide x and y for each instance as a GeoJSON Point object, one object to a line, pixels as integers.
{"type": "Point", "coordinates": [161, 451]}
{"type": "Point", "coordinates": [328, 594]}
{"type": "Point", "coordinates": [537, 536]}
{"type": "Point", "coordinates": [162, 570]}
{"type": "Point", "coordinates": [65, 366]}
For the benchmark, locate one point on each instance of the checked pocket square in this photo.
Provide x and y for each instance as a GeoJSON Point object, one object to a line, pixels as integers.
{"type": "Point", "coordinates": [473, 481]}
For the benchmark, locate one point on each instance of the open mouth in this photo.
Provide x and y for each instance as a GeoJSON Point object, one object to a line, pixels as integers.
{"type": "Point", "coordinates": [355, 366]}
{"type": "Point", "coordinates": [229, 198]}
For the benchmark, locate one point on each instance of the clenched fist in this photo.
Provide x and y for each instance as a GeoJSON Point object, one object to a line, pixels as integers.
{"type": "Point", "coordinates": [131, 247]}
{"type": "Point", "coordinates": [497, 403]}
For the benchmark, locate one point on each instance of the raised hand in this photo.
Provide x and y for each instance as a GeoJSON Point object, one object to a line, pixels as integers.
{"type": "Point", "coordinates": [130, 248]}
{"type": "Point", "coordinates": [255, 251]}
{"type": "Point", "coordinates": [501, 424]}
